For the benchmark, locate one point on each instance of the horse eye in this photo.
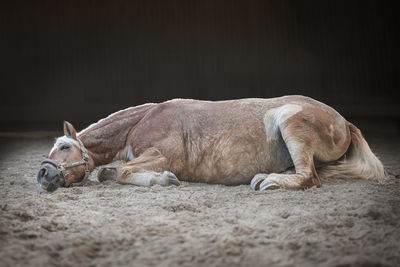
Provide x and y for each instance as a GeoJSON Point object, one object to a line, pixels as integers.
{"type": "Point", "coordinates": [64, 147]}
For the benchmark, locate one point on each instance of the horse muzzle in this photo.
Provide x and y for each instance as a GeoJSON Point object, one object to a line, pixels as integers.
{"type": "Point", "coordinates": [49, 177]}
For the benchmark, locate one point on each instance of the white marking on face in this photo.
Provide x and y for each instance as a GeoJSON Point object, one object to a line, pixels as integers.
{"type": "Point", "coordinates": [63, 140]}
{"type": "Point", "coordinates": [276, 116]}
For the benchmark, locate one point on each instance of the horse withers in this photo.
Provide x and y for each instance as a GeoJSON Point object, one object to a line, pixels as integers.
{"type": "Point", "coordinates": [285, 142]}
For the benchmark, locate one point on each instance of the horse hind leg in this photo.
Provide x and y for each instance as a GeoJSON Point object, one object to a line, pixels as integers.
{"type": "Point", "coordinates": [288, 180]}
{"type": "Point", "coordinates": [298, 139]}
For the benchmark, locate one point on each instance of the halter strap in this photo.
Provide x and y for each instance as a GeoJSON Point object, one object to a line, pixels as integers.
{"type": "Point", "coordinates": [84, 160]}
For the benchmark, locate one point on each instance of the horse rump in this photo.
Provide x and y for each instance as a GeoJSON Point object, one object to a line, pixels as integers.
{"type": "Point", "coordinates": [358, 162]}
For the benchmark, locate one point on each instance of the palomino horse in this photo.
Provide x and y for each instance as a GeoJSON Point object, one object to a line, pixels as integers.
{"type": "Point", "coordinates": [285, 142]}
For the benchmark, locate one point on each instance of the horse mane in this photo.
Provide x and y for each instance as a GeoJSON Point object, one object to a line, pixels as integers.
{"type": "Point", "coordinates": [128, 116]}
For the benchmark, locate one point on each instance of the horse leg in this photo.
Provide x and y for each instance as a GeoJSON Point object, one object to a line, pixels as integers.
{"type": "Point", "coordinates": [299, 142]}
{"type": "Point", "coordinates": [146, 170]}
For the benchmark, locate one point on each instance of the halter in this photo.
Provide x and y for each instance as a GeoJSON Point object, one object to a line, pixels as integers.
{"type": "Point", "coordinates": [63, 167]}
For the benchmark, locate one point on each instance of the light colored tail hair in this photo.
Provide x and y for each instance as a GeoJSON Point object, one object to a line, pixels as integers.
{"type": "Point", "coordinates": [358, 162]}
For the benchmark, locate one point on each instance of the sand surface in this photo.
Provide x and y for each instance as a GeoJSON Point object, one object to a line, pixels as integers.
{"type": "Point", "coordinates": [344, 223]}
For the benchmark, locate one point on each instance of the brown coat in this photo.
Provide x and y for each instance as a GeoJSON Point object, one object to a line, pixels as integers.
{"type": "Point", "coordinates": [230, 142]}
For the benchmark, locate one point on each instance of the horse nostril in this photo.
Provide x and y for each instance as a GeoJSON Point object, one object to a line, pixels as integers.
{"type": "Point", "coordinates": [43, 172]}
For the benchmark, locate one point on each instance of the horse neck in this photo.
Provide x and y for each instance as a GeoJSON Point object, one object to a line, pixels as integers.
{"type": "Point", "coordinates": [107, 137]}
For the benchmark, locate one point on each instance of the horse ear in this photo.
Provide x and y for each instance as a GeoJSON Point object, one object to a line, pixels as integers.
{"type": "Point", "coordinates": [69, 130]}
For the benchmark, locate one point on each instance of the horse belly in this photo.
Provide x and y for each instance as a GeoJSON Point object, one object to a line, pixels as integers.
{"type": "Point", "coordinates": [234, 165]}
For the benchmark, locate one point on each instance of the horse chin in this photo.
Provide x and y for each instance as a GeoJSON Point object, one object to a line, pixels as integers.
{"type": "Point", "coordinates": [51, 187]}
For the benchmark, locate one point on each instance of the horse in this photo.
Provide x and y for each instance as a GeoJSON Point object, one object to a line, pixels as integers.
{"type": "Point", "coordinates": [286, 142]}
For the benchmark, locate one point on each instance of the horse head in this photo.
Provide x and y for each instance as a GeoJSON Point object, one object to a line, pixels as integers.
{"type": "Point", "coordinates": [67, 163]}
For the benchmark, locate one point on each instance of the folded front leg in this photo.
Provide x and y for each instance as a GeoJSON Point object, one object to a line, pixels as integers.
{"type": "Point", "coordinates": [148, 169]}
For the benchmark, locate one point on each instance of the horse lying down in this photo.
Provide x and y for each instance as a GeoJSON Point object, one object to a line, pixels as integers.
{"type": "Point", "coordinates": [285, 142]}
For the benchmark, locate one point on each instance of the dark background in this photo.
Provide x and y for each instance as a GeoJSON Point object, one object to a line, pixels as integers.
{"type": "Point", "coordinates": [81, 60]}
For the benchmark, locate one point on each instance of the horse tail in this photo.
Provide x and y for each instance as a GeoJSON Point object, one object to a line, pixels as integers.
{"type": "Point", "coordinates": [358, 162]}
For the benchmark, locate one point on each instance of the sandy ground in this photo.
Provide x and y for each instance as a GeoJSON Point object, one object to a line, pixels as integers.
{"type": "Point", "coordinates": [344, 223]}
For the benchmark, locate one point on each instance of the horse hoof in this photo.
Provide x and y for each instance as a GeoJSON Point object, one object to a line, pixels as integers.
{"type": "Point", "coordinates": [172, 179]}
{"type": "Point", "coordinates": [174, 182]}
{"type": "Point", "coordinates": [107, 173]}
{"type": "Point", "coordinates": [255, 182]}
{"type": "Point", "coordinates": [268, 185]}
